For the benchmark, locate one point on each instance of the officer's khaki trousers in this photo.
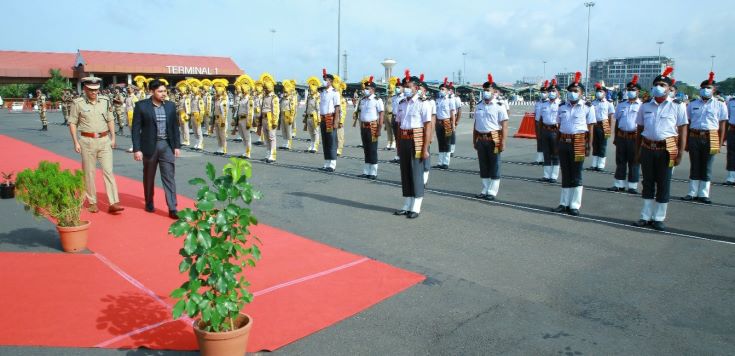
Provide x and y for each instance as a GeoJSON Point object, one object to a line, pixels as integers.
{"type": "Point", "coordinates": [93, 150]}
{"type": "Point", "coordinates": [286, 131]}
{"type": "Point", "coordinates": [245, 134]}
{"type": "Point", "coordinates": [184, 127]}
{"type": "Point", "coordinates": [220, 130]}
{"type": "Point", "coordinates": [340, 139]}
{"type": "Point", "coordinates": [313, 134]}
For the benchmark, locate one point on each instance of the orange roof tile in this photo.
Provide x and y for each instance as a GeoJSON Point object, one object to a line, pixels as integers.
{"type": "Point", "coordinates": [22, 64]}
{"type": "Point", "coordinates": [151, 63]}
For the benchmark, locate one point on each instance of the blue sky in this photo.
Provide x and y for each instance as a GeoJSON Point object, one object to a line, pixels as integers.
{"type": "Point", "coordinates": [511, 39]}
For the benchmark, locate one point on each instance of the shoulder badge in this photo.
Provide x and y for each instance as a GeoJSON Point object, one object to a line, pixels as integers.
{"type": "Point", "coordinates": [677, 101]}
{"type": "Point", "coordinates": [588, 103]}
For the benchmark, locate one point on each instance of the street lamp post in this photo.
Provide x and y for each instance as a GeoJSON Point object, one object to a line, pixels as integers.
{"type": "Point", "coordinates": [659, 43]}
{"type": "Point", "coordinates": [712, 67]}
{"type": "Point", "coordinates": [464, 65]}
{"type": "Point", "coordinates": [273, 47]}
{"type": "Point", "coordinates": [339, 19]}
{"type": "Point", "coordinates": [589, 6]}
{"type": "Point", "coordinates": [544, 70]}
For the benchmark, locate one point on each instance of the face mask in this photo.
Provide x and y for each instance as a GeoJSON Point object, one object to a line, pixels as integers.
{"type": "Point", "coordinates": [407, 91]}
{"type": "Point", "coordinates": [398, 91]}
{"type": "Point", "coordinates": [572, 96]}
{"type": "Point", "coordinates": [631, 94]}
{"type": "Point", "coordinates": [658, 91]}
{"type": "Point", "coordinates": [672, 94]}
{"type": "Point", "coordinates": [544, 95]}
{"type": "Point", "coordinates": [366, 92]}
{"type": "Point", "coordinates": [599, 95]}
{"type": "Point", "coordinates": [442, 94]}
{"type": "Point", "coordinates": [553, 95]}
{"type": "Point", "coordinates": [487, 95]}
{"type": "Point", "coordinates": [705, 92]}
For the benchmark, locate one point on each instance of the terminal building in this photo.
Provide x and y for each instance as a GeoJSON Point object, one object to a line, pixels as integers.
{"type": "Point", "coordinates": [113, 67]}
{"type": "Point", "coordinates": [617, 72]}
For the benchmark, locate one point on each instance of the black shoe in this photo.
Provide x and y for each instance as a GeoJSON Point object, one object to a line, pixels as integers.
{"type": "Point", "coordinates": [259, 143]}
{"type": "Point", "coordinates": [687, 198]}
{"type": "Point", "coordinates": [444, 166]}
{"type": "Point", "coordinates": [395, 160]}
{"type": "Point", "coordinates": [372, 177]}
{"type": "Point", "coordinates": [150, 208]}
{"type": "Point", "coordinates": [173, 214]}
{"type": "Point", "coordinates": [44, 128]}
{"type": "Point", "coordinates": [658, 226]}
{"type": "Point", "coordinates": [481, 196]}
{"type": "Point", "coordinates": [545, 180]}
{"type": "Point", "coordinates": [590, 169]}
{"type": "Point", "coordinates": [400, 212]}
{"type": "Point", "coordinates": [632, 191]}
{"type": "Point", "coordinates": [437, 166]}
{"type": "Point", "coordinates": [642, 223]}
{"type": "Point", "coordinates": [412, 215]}
{"type": "Point", "coordinates": [363, 175]}
{"type": "Point", "coordinates": [489, 197]}
{"type": "Point", "coordinates": [560, 209]}
{"type": "Point", "coordinates": [359, 146]}
{"type": "Point", "coordinates": [728, 183]}
{"type": "Point", "coordinates": [704, 200]}
{"type": "Point", "coordinates": [552, 180]}
{"type": "Point", "coordinates": [615, 189]}
{"type": "Point", "coordinates": [573, 212]}
{"type": "Point", "coordinates": [329, 169]}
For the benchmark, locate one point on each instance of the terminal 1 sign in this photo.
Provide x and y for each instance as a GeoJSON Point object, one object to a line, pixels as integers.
{"type": "Point", "coordinates": [192, 70]}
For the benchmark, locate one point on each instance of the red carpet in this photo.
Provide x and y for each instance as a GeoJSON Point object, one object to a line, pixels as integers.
{"type": "Point", "coordinates": [301, 286]}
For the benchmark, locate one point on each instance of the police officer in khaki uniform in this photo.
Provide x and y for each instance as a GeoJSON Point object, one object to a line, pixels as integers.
{"type": "Point", "coordinates": [66, 99]}
{"type": "Point", "coordinates": [41, 103]}
{"type": "Point", "coordinates": [91, 116]}
{"type": "Point", "coordinates": [118, 102]}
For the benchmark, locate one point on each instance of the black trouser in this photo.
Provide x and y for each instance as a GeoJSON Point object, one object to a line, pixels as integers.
{"type": "Point", "coordinates": [453, 138]}
{"type": "Point", "coordinates": [656, 174]}
{"type": "Point", "coordinates": [538, 138]}
{"type": "Point", "coordinates": [369, 148]}
{"type": "Point", "coordinates": [625, 149]}
{"type": "Point", "coordinates": [441, 137]}
{"type": "Point", "coordinates": [730, 149]}
{"type": "Point", "coordinates": [550, 147]}
{"type": "Point", "coordinates": [700, 158]}
{"type": "Point", "coordinates": [395, 127]}
{"type": "Point", "coordinates": [329, 141]}
{"type": "Point", "coordinates": [571, 170]}
{"type": "Point", "coordinates": [164, 158]}
{"type": "Point", "coordinates": [412, 170]}
{"type": "Point", "coordinates": [599, 144]}
{"type": "Point", "coordinates": [488, 159]}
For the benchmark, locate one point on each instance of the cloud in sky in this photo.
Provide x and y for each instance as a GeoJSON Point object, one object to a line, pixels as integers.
{"type": "Point", "coordinates": [511, 39]}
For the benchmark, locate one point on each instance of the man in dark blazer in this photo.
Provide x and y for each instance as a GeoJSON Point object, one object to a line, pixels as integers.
{"type": "Point", "coordinates": [157, 142]}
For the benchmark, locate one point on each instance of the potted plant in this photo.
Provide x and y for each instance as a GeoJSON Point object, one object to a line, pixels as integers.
{"type": "Point", "coordinates": [217, 247]}
{"type": "Point", "coordinates": [7, 189]}
{"type": "Point", "coordinates": [57, 194]}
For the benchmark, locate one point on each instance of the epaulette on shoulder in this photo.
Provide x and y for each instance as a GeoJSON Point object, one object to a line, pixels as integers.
{"type": "Point", "coordinates": [677, 101]}
{"type": "Point", "coordinates": [76, 100]}
{"type": "Point", "coordinates": [588, 103]}
{"type": "Point", "coordinates": [721, 99]}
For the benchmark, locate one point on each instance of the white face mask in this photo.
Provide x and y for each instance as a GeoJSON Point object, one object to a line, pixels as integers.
{"type": "Point", "coordinates": [486, 95]}
{"type": "Point", "coordinates": [366, 92]}
{"type": "Point", "coordinates": [407, 92]}
{"type": "Point", "coordinates": [599, 95]}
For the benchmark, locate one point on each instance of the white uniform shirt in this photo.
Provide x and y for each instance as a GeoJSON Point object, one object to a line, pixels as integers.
{"type": "Point", "coordinates": [329, 98]}
{"type": "Point", "coordinates": [489, 117]}
{"type": "Point", "coordinates": [537, 108]}
{"type": "Point", "coordinates": [706, 115]}
{"type": "Point", "coordinates": [626, 115]}
{"type": "Point", "coordinates": [413, 113]}
{"type": "Point", "coordinates": [603, 109]}
{"type": "Point", "coordinates": [574, 118]}
{"type": "Point", "coordinates": [731, 110]}
{"type": "Point", "coordinates": [396, 102]}
{"type": "Point", "coordinates": [445, 108]}
{"type": "Point", "coordinates": [457, 102]}
{"type": "Point", "coordinates": [661, 121]}
{"type": "Point", "coordinates": [430, 106]}
{"type": "Point", "coordinates": [549, 112]}
{"type": "Point", "coordinates": [370, 108]}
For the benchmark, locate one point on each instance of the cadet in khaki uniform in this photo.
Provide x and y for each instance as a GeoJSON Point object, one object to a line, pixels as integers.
{"type": "Point", "coordinates": [311, 113]}
{"type": "Point", "coordinates": [118, 103]}
{"type": "Point", "coordinates": [41, 103]}
{"type": "Point", "coordinates": [91, 115]}
{"type": "Point", "coordinates": [269, 113]}
{"type": "Point", "coordinates": [66, 99]}
{"type": "Point", "coordinates": [343, 114]}
{"type": "Point", "coordinates": [183, 108]}
{"type": "Point", "coordinates": [246, 113]}
{"type": "Point", "coordinates": [288, 113]}
{"type": "Point", "coordinates": [221, 107]}
{"type": "Point", "coordinates": [197, 107]}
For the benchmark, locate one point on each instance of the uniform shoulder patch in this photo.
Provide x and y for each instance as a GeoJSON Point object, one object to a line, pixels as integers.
{"type": "Point", "coordinates": [587, 103]}
{"type": "Point", "coordinates": [77, 100]}
{"type": "Point", "coordinates": [677, 101]}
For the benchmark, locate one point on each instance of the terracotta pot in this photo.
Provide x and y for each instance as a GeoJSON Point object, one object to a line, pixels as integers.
{"type": "Point", "coordinates": [74, 238]}
{"type": "Point", "coordinates": [225, 343]}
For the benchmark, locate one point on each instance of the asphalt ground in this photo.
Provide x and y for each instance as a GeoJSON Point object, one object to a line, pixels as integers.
{"type": "Point", "coordinates": [503, 277]}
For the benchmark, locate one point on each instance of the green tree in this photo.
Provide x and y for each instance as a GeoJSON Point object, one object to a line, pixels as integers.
{"type": "Point", "coordinates": [727, 86]}
{"type": "Point", "coordinates": [55, 85]}
{"type": "Point", "coordinates": [15, 90]}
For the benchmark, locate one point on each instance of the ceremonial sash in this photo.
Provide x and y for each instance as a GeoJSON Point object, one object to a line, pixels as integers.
{"type": "Point", "coordinates": [373, 126]}
{"type": "Point", "coordinates": [606, 128]}
{"type": "Point", "coordinates": [493, 136]}
{"type": "Point", "coordinates": [579, 142]}
{"type": "Point", "coordinates": [417, 135]}
{"type": "Point", "coordinates": [447, 123]}
{"type": "Point", "coordinates": [714, 142]}
{"type": "Point", "coordinates": [328, 122]}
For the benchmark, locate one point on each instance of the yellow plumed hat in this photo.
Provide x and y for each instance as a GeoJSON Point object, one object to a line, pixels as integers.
{"type": "Point", "coordinates": [220, 82]}
{"type": "Point", "coordinates": [140, 80]}
{"type": "Point", "coordinates": [245, 80]}
{"type": "Point", "coordinates": [194, 83]}
{"type": "Point", "coordinates": [182, 84]}
{"type": "Point", "coordinates": [206, 82]}
{"type": "Point", "coordinates": [314, 81]}
{"type": "Point", "coordinates": [164, 81]}
{"type": "Point", "coordinates": [267, 77]}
